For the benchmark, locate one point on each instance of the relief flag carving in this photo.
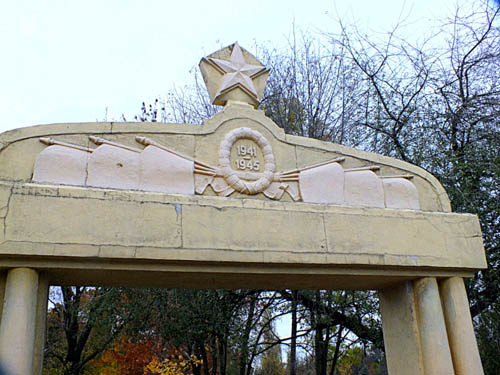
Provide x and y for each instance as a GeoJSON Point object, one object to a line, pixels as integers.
{"type": "Point", "coordinates": [246, 165]}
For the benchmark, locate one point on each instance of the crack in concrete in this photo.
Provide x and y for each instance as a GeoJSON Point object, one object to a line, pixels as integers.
{"type": "Point", "coordinates": [181, 226]}
{"type": "Point", "coordinates": [296, 158]}
{"type": "Point", "coordinates": [325, 232]}
{"type": "Point", "coordinates": [7, 211]}
{"type": "Point", "coordinates": [87, 163]}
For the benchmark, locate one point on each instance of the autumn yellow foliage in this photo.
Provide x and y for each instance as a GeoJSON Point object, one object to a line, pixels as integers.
{"type": "Point", "coordinates": [172, 366]}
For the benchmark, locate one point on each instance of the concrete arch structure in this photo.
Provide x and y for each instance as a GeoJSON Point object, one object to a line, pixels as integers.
{"type": "Point", "coordinates": [148, 204]}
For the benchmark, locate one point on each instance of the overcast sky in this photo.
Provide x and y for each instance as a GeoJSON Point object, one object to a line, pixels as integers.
{"type": "Point", "coordinates": [69, 60]}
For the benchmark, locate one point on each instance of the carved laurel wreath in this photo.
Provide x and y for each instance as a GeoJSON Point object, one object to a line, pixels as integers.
{"type": "Point", "coordinates": [231, 176]}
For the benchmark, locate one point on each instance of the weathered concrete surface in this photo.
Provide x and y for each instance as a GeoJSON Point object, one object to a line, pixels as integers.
{"type": "Point", "coordinates": [41, 322]}
{"type": "Point", "coordinates": [436, 352]}
{"type": "Point", "coordinates": [400, 327]}
{"type": "Point", "coordinates": [463, 345]}
{"type": "Point", "coordinates": [17, 329]}
{"type": "Point", "coordinates": [110, 228]}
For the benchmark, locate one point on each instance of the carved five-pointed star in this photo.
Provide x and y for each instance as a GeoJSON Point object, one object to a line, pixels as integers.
{"type": "Point", "coordinates": [237, 72]}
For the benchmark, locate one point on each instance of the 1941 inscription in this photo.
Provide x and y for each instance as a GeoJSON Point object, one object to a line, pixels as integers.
{"type": "Point", "coordinates": [246, 156]}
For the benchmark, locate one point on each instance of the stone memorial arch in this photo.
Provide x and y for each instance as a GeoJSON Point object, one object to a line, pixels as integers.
{"type": "Point", "coordinates": [233, 203]}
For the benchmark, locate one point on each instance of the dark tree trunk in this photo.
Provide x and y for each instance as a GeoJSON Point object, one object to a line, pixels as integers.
{"type": "Point", "coordinates": [204, 358]}
{"type": "Point", "coordinates": [320, 357]}
{"type": "Point", "coordinates": [221, 353]}
{"type": "Point", "coordinates": [74, 369]}
{"type": "Point", "coordinates": [215, 356]}
{"type": "Point", "coordinates": [244, 341]}
{"type": "Point", "coordinates": [293, 343]}
{"type": "Point", "coordinates": [337, 351]}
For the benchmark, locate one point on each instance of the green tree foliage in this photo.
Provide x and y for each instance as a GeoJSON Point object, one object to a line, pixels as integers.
{"type": "Point", "coordinates": [488, 332]}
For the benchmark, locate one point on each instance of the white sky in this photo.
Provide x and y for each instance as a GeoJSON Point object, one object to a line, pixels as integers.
{"type": "Point", "coordinates": [69, 60]}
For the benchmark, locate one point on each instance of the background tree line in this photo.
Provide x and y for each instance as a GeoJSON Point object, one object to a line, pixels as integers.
{"type": "Point", "coordinates": [434, 102]}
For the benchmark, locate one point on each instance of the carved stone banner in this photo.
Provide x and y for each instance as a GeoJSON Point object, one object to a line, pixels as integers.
{"type": "Point", "coordinates": [246, 164]}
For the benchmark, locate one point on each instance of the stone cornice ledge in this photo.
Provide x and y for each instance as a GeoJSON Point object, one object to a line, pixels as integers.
{"type": "Point", "coordinates": [54, 222]}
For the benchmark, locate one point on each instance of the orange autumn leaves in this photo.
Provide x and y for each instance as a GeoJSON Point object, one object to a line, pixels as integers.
{"type": "Point", "coordinates": [144, 357]}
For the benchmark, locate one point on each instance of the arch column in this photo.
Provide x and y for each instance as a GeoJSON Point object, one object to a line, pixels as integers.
{"type": "Point", "coordinates": [18, 325]}
{"type": "Point", "coordinates": [401, 332]}
{"type": "Point", "coordinates": [428, 328]}
{"type": "Point", "coordinates": [436, 353]}
{"type": "Point", "coordinates": [41, 322]}
{"type": "Point", "coordinates": [463, 345]}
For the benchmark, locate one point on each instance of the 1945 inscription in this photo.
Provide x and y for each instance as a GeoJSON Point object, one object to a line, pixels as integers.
{"type": "Point", "coordinates": [246, 156]}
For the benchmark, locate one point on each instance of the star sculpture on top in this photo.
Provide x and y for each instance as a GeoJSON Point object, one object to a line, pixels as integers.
{"type": "Point", "coordinates": [234, 75]}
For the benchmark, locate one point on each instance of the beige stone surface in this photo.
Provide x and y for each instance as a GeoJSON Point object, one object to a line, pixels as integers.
{"type": "Point", "coordinates": [73, 222]}
{"type": "Point", "coordinates": [363, 188]}
{"type": "Point", "coordinates": [403, 237]}
{"type": "Point", "coordinates": [41, 322]}
{"type": "Point", "coordinates": [323, 184]}
{"type": "Point", "coordinates": [165, 172]}
{"type": "Point", "coordinates": [436, 353]}
{"type": "Point", "coordinates": [254, 171]}
{"type": "Point", "coordinates": [61, 165]}
{"type": "Point", "coordinates": [306, 156]}
{"type": "Point", "coordinates": [3, 280]}
{"type": "Point", "coordinates": [113, 167]}
{"type": "Point", "coordinates": [17, 329]}
{"type": "Point", "coordinates": [400, 193]}
{"type": "Point", "coordinates": [18, 158]}
{"type": "Point", "coordinates": [233, 74]}
{"type": "Point", "coordinates": [245, 229]}
{"type": "Point", "coordinates": [5, 192]}
{"type": "Point", "coordinates": [155, 271]}
{"type": "Point", "coordinates": [21, 146]}
{"type": "Point", "coordinates": [93, 221]}
{"type": "Point", "coordinates": [463, 345]}
{"type": "Point", "coordinates": [207, 148]}
{"type": "Point", "coordinates": [201, 182]}
{"type": "Point", "coordinates": [400, 328]}
{"type": "Point", "coordinates": [432, 196]}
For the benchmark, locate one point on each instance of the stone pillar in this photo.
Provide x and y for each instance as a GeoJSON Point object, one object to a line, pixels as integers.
{"type": "Point", "coordinates": [463, 345]}
{"type": "Point", "coordinates": [41, 323]}
{"type": "Point", "coordinates": [433, 337]}
{"type": "Point", "coordinates": [3, 280]}
{"type": "Point", "coordinates": [400, 327]}
{"type": "Point", "coordinates": [17, 329]}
